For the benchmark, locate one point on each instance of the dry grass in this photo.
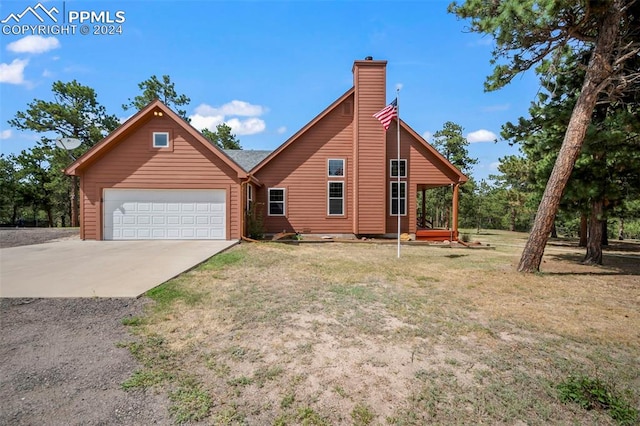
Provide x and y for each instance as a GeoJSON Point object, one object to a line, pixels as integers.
{"type": "Point", "coordinates": [349, 334]}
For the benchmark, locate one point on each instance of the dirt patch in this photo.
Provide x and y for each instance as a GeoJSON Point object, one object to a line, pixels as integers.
{"type": "Point", "coordinates": [14, 237]}
{"type": "Point", "coordinates": [61, 365]}
{"type": "Point", "coordinates": [349, 334]}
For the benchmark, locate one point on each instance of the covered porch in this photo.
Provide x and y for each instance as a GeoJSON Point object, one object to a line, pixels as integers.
{"type": "Point", "coordinates": [437, 212]}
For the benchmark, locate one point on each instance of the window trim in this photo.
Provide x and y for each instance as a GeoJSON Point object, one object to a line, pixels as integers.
{"type": "Point", "coordinates": [329, 198]}
{"type": "Point", "coordinates": [284, 202]}
{"type": "Point", "coordinates": [344, 165]}
{"type": "Point", "coordinates": [153, 140]}
{"type": "Point", "coordinates": [403, 206]}
{"type": "Point", "coordinates": [402, 160]}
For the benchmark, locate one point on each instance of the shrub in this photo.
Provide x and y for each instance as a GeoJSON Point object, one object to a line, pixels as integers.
{"type": "Point", "coordinates": [593, 394]}
{"type": "Point", "coordinates": [255, 221]}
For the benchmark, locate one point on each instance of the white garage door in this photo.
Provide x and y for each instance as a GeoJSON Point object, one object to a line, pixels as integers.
{"type": "Point", "coordinates": [150, 214]}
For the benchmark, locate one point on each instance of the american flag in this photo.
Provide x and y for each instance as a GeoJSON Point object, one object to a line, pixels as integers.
{"type": "Point", "coordinates": [386, 114]}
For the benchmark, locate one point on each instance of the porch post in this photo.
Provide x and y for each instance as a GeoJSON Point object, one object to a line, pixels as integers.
{"type": "Point", "coordinates": [454, 219]}
{"type": "Point", "coordinates": [423, 221]}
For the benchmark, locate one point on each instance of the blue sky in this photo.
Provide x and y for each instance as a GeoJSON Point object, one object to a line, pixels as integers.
{"type": "Point", "coordinates": [265, 68]}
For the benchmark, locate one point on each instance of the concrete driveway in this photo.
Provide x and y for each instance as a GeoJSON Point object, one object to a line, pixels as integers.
{"type": "Point", "coordinates": [75, 268]}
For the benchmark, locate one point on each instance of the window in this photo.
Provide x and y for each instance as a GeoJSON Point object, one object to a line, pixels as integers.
{"type": "Point", "coordinates": [336, 167]}
{"type": "Point", "coordinates": [394, 198]}
{"type": "Point", "coordinates": [276, 202]}
{"type": "Point", "coordinates": [249, 197]}
{"type": "Point", "coordinates": [336, 198]}
{"type": "Point", "coordinates": [160, 139]}
{"type": "Point", "coordinates": [394, 168]}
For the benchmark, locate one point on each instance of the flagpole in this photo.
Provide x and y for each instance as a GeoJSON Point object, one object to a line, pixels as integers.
{"type": "Point", "coordinates": [398, 120]}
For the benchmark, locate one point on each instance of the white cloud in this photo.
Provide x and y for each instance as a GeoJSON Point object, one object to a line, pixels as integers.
{"type": "Point", "coordinates": [481, 135]}
{"type": "Point", "coordinates": [250, 126]}
{"type": "Point", "coordinates": [34, 44]}
{"type": "Point", "coordinates": [5, 134]}
{"type": "Point", "coordinates": [427, 136]}
{"type": "Point", "coordinates": [210, 122]}
{"type": "Point", "coordinates": [235, 107]}
{"type": "Point", "coordinates": [46, 73]}
{"type": "Point", "coordinates": [13, 73]}
{"type": "Point", "coordinates": [494, 165]}
{"type": "Point", "coordinates": [281, 130]}
{"type": "Point", "coordinates": [204, 109]}
{"type": "Point", "coordinates": [208, 117]}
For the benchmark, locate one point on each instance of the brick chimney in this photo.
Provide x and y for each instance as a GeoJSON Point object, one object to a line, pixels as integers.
{"type": "Point", "coordinates": [369, 80]}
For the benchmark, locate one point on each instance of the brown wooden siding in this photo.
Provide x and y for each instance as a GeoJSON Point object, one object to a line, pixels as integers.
{"type": "Point", "coordinates": [301, 168]}
{"type": "Point", "coordinates": [134, 163]}
{"type": "Point", "coordinates": [369, 146]}
{"type": "Point", "coordinates": [423, 168]}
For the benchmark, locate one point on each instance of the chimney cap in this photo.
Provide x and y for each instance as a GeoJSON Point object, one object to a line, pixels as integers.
{"type": "Point", "coordinates": [369, 58]}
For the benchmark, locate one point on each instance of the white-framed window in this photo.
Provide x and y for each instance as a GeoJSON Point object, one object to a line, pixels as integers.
{"type": "Point", "coordinates": [335, 167]}
{"type": "Point", "coordinates": [335, 198]}
{"type": "Point", "coordinates": [276, 202]}
{"type": "Point", "coordinates": [394, 199]}
{"type": "Point", "coordinates": [393, 172]}
{"type": "Point", "coordinates": [161, 139]}
{"type": "Point", "coordinates": [249, 196]}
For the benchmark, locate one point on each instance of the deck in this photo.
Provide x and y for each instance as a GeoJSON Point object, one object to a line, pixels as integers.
{"type": "Point", "coordinates": [436, 235]}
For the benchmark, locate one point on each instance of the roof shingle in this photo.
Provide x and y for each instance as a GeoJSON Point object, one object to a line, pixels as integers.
{"type": "Point", "coordinates": [247, 158]}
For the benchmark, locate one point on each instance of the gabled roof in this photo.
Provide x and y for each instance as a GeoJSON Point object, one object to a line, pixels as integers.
{"type": "Point", "coordinates": [102, 147]}
{"type": "Point", "coordinates": [461, 176]}
{"type": "Point", "coordinates": [247, 158]}
{"type": "Point", "coordinates": [302, 131]}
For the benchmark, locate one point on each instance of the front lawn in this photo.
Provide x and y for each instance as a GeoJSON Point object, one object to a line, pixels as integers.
{"type": "Point", "coordinates": [274, 334]}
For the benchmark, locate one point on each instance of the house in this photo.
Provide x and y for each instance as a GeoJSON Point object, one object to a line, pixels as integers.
{"type": "Point", "coordinates": [156, 177]}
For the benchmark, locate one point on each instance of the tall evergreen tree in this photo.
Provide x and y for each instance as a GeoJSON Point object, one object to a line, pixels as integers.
{"type": "Point", "coordinates": [529, 32]}
{"type": "Point", "coordinates": [452, 144]}
{"type": "Point", "coordinates": [222, 137]}
{"type": "Point", "coordinates": [513, 179]}
{"type": "Point", "coordinates": [609, 160]}
{"type": "Point", "coordinates": [74, 113]}
{"type": "Point", "coordinates": [153, 88]}
{"type": "Point", "coordinates": [10, 191]}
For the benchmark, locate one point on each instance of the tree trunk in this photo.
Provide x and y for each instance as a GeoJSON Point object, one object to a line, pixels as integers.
{"type": "Point", "coordinates": [583, 230]}
{"type": "Point", "coordinates": [512, 224]}
{"type": "Point", "coordinates": [605, 231]}
{"type": "Point", "coordinates": [621, 229]}
{"type": "Point", "coordinates": [594, 242]}
{"type": "Point", "coordinates": [49, 210]}
{"type": "Point", "coordinates": [598, 71]}
{"type": "Point", "coordinates": [14, 214]}
{"type": "Point", "coordinates": [554, 230]}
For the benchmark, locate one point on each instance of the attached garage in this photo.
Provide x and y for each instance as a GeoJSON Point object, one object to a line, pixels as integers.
{"type": "Point", "coordinates": [156, 177]}
{"type": "Point", "coordinates": [153, 214]}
